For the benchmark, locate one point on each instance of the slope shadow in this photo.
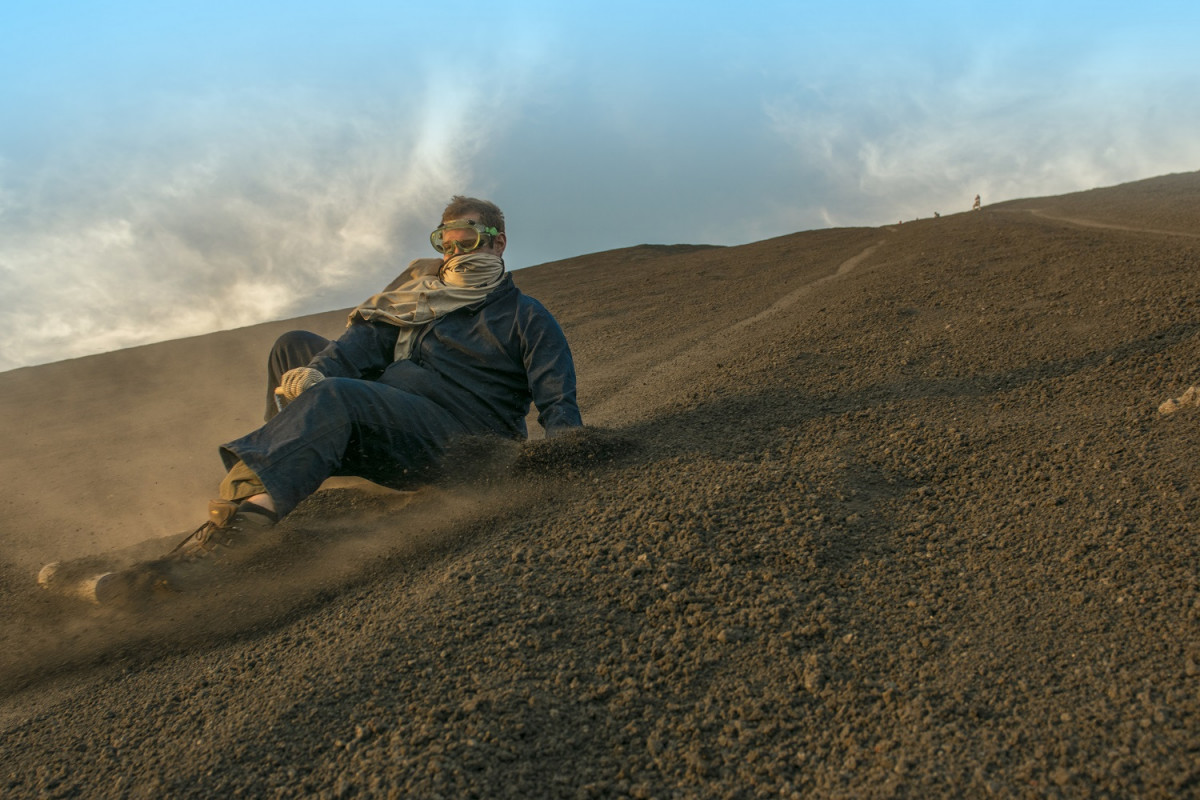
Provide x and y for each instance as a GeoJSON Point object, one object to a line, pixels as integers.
{"type": "Point", "coordinates": [744, 426]}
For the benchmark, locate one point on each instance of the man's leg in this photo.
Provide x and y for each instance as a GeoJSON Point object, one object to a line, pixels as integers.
{"type": "Point", "coordinates": [292, 349]}
{"type": "Point", "coordinates": [340, 426]}
{"type": "Point", "coordinates": [343, 426]}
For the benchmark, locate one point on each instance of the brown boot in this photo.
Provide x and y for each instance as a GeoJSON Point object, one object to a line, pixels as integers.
{"type": "Point", "coordinates": [231, 530]}
{"type": "Point", "coordinates": [229, 525]}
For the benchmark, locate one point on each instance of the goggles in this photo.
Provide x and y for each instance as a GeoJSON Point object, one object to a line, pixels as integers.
{"type": "Point", "coordinates": [462, 242]}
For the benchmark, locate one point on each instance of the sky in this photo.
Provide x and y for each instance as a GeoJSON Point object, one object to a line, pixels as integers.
{"type": "Point", "coordinates": [169, 169]}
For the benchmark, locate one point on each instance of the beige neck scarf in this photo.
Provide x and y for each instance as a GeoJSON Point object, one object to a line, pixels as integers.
{"type": "Point", "coordinates": [430, 289]}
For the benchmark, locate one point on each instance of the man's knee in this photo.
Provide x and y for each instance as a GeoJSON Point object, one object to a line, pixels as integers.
{"type": "Point", "coordinates": [296, 349]}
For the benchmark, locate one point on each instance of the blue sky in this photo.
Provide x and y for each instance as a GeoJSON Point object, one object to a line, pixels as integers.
{"type": "Point", "coordinates": [169, 169]}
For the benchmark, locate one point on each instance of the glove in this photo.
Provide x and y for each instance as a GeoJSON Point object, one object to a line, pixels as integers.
{"type": "Point", "coordinates": [295, 381]}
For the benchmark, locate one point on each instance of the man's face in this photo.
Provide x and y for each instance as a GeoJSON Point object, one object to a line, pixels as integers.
{"type": "Point", "coordinates": [458, 240]}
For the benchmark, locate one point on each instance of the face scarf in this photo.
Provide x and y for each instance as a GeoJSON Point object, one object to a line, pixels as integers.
{"type": "Point", "coordinates": [430, 289]}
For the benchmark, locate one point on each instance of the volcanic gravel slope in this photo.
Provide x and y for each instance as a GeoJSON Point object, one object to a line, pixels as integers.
{"type": "Point", "coordinates": [865, 513]}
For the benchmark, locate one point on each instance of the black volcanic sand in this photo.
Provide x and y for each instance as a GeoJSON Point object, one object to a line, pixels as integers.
{"type": "Point", "coordinates": [863, 513]}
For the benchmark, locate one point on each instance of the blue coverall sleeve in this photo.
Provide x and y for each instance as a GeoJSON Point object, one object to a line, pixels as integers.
{"type": "Point", "coordinates": [551, 372]}
{"type": "Point", "coordinates": [364, 347]}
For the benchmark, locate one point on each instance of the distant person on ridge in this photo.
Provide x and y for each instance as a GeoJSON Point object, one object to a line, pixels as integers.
{"type": "Point", "coordinates": [976, 206]}
{"type": "Point", "coordinates": [449, 349]}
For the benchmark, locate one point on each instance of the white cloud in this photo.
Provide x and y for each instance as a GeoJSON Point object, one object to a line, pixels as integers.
{"type": "Point", "coordinates": [225, 207]}
{"type": "Point", "coordinates": [897, 151]}
{"type": "Point", "coordinates": [225, 211]}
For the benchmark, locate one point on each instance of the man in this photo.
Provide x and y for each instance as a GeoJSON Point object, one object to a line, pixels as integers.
{"type": "Point", "coordinates": [450, 349]}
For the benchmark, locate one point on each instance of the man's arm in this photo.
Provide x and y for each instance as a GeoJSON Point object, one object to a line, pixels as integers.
{"type": "Point", "coordinates": [367, 348]}
{"type": "Point", "coordinates": [363, 348]}
{"type": "Point", "coordinates": [550, 370]}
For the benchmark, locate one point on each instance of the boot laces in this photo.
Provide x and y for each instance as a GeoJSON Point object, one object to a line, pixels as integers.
{"type": "Point", "coordinates": [217, 532]}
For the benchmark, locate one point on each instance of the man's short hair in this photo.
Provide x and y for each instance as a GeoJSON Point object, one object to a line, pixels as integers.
{"type": "Point", "coordinates": [488, 213]}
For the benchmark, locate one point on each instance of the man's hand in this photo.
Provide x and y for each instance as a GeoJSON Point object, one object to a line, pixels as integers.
{"type": "Point", "coordinates": [295, 381]}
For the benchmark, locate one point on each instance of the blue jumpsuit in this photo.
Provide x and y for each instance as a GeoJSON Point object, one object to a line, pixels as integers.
{"type": "Point", "coordinates": [473, 371]}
